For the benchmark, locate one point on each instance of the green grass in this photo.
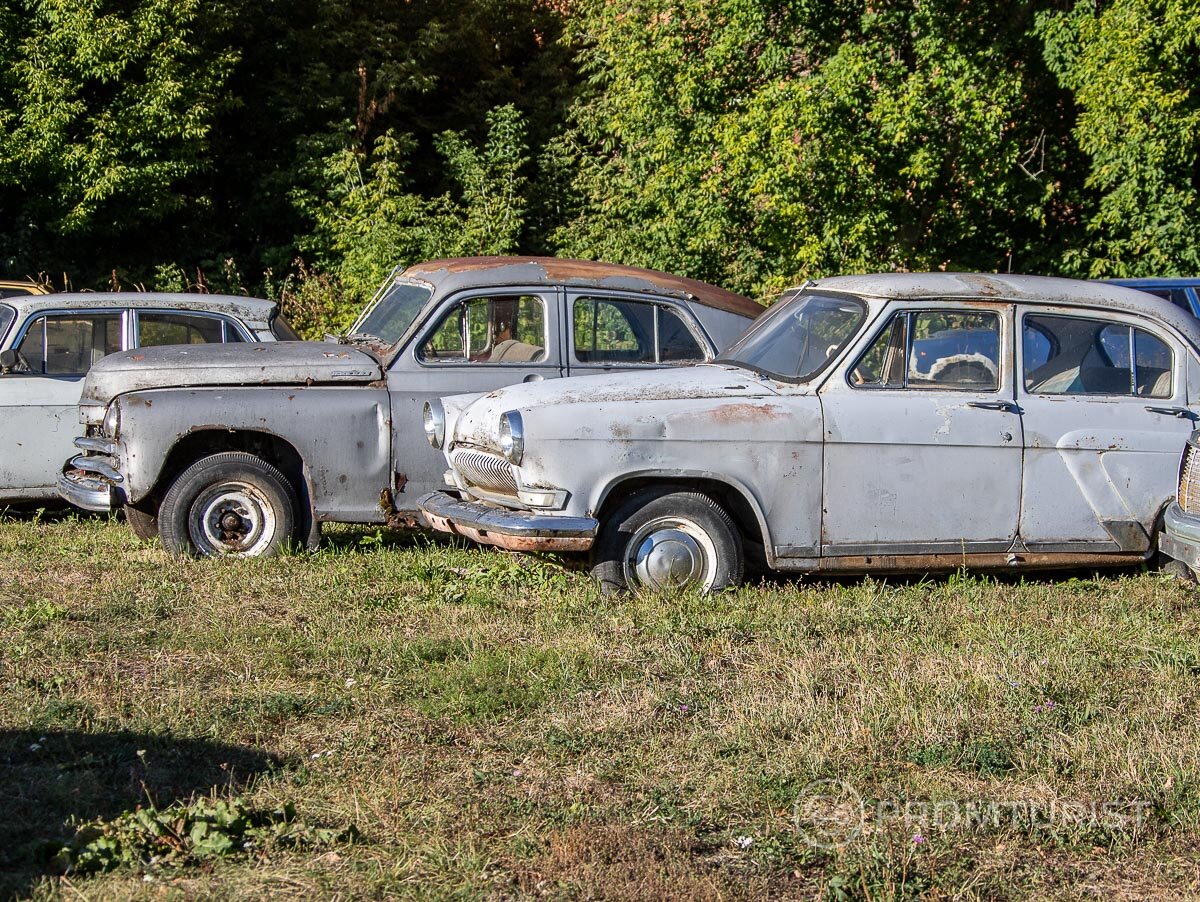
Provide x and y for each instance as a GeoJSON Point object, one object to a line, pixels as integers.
{"type": "Point", "coordinates": [490, 727]}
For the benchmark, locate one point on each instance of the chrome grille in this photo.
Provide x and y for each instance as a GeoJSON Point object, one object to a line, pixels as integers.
{"type": "Point", "coordinates": [1189, 481]}
{"type": "Point", "coordinates": [485, 471]}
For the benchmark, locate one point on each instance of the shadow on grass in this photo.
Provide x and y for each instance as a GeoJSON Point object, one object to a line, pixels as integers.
{"type": "Point", "coordinates": [49, 779]}
{"type": "Point", "coordinates": [45, 512]}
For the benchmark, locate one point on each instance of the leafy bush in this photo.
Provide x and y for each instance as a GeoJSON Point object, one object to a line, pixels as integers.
{"type": "Point", "coordinates": [183, 835]}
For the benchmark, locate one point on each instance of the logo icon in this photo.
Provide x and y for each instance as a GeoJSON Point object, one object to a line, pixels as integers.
{"type": "Point", "coordinates": [828, 813]}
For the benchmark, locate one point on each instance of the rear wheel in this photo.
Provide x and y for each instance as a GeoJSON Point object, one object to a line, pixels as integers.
{"type": "Point", "coordinates": [143, 523]}
{"type": "Point", "coordinates": [668, 540]}
{"type": "Point", "coordinates": [231, 504]}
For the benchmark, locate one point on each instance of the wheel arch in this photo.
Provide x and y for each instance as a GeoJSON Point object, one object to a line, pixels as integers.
{"type": "Point", "coordinates": [271, 447]}
{"type": "Point", "coordinates": [736, 498]}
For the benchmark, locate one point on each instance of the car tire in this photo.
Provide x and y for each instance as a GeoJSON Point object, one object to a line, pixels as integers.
{"type": "Point", "coordinates": [229, 504]}
{"type": "Point", "coordinates": [143, 523]}
{"type": "Point", "coordinates": [668, 540]}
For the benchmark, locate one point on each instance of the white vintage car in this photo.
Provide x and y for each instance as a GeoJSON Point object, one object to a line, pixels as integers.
{"type": "Point", "coordinates": [884, 423]}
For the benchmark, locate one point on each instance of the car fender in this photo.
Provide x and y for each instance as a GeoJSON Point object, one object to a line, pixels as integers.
{"type": "Point", "coordinates": [341, 434]}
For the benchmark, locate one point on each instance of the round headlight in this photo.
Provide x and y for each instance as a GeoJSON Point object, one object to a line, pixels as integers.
{"type": "Point", "coordinates": [435, 423]}
{"type": "Point", "coordinates": [111, 425]}
{"type": "Point", "coordinates": [512, 437]}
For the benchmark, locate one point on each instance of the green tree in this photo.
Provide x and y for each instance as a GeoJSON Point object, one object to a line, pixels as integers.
{"type": "Point", "coordinates": [757, 143]}
{"type": "Point", "coordinates": [1133, 67]}
{"type": "Point", "coordinates": [369, 218]}
{"type": "Point", "coordinates": [107, 108]}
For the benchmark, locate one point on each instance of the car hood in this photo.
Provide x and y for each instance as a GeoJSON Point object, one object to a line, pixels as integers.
{"type": "Point", "coordinates": [272, 363]}
{"type": "Point", "coordinates": [478, 422]}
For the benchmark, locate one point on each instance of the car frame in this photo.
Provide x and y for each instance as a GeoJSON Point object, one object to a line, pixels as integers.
{"type": "Point", "coordinates": [332, 431]}
{"type": "Point", "coordinates": [41, 408]}
{"type": "Point", "coordinates": [829, 473]}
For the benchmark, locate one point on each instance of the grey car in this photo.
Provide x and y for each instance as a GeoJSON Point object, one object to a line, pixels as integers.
{"type": "Point", "coordinates": [887, 423]}
{"type": "Point", "coordinates": [48, 342]}
{"type": "Point", "coordinates": [236, 450]}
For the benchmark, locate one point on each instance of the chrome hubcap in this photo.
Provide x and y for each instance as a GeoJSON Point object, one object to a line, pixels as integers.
{"type": "Point", "coordinates": [231, 518]}
{"type": "Point", "coordinates": [670, 553]}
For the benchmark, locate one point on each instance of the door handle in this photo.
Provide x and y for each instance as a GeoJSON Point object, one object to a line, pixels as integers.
{"type": "Point", "coordinates": [1181, 413]}
{"type": "Point", "coordinates": [1005, 406]}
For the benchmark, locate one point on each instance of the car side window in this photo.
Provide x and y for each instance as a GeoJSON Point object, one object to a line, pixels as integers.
{"type": "Point", "coordinates": [68, 344]}
{"type": "Point", "coordinates": [183, 329]}
{"type": "Point", "coordinates": [618, 331]}
{"type": "Point", "coordinates": [493, 329]}
{"type": "Point", "coordinates": [1094, 357]}
{"type": "Point", "coordinates": [7, 315]}
{"type": "Point", "coordinates": [676, 343]}
{"type": "Point", "coordinates": [933, 349]}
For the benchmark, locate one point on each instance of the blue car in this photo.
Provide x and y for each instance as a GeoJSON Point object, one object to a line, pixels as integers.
{"type": "Point", "coordinates": [1184, 293]}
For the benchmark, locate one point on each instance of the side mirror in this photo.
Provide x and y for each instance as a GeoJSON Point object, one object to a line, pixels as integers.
{"type": "Point", "coordinates": [8, 360]}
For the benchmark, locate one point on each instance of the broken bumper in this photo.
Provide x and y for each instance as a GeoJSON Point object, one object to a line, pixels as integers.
{"type": "Point", "coordinates": [91, 483]}
{"type": "Point", "coordinates": [514, 530]}
{"type": "Point", "coordinates": [1180, 537]}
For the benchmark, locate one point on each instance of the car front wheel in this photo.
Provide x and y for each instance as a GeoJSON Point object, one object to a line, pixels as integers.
{"type": "Point", "coordinates": [668, 540]}
{"type": "Point", "coordinates": [144, 523]}
{"type": "Point", "coordinates": [230, 504]}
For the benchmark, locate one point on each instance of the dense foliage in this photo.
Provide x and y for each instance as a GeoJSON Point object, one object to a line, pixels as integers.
{"type": "Point", "coordinates": [304, 147]}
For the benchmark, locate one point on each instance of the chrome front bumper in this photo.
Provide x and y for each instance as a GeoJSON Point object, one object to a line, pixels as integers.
{"type": "Point", "coordinates": [1180, 537]}
{"type": "Point", "coordinates": [91, 481]}
{"type": "Point", "coordinates": [514, 530]}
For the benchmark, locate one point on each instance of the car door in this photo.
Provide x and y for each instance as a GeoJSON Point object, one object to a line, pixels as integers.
{"type": "Point", "coordinates": [475, 342]}
{"type": "Point", "coordinates": [40, 398]}
{"type": "Point", "coordinates": [922, 447]}
{"type": "Point", "coordinates": [1106, 418]}
{"type": "Point", "coordinates": [610, 332]}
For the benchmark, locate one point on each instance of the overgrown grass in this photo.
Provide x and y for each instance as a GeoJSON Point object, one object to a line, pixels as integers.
{"type": "Point", "coordinates": [490, 727]}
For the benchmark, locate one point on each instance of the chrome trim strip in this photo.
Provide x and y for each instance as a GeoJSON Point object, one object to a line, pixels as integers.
{"type": "Point", "coordinates": [95, 445]}
{"type": "Point", "coordinates": [87, 492]}
{"type": "Point", "coordinates": [95, 465]}
{"type": "Point", "coordinates": [485, 518]}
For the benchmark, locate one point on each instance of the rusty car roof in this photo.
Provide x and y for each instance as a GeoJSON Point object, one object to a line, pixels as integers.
{"type": "Point", "coordinates": [254, 310]}
{"type": "Point", "coordinates": [454, 273]}
{"type": "Point", "coordinates": [1031, 289]}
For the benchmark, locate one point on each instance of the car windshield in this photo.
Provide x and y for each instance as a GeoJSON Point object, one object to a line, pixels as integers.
{"type": "Point", "coordinates": [7, 314]}
{"type": "Point", "coordinates": [799, 338]}
{"type": "Point", "coordinates": [393, 313]}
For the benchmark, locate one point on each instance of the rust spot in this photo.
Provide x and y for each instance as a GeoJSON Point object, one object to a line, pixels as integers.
{"type": "Point", "coordinates": [401, 481]}
{"type": "Point", "coordinates": [342, 479]}
{"type": "Point", "coordinates": [745, 413]}
{"type": "Point", "coordinates": [553, 269]}
{"type": "Point", "coordinates": [512, 543]}
{"type": "Point", "coordinates": [291, 397]}
{"type": "Point", "coordinates": [137, 356]}
{"type": "Point", "coordinates": [932, 563]}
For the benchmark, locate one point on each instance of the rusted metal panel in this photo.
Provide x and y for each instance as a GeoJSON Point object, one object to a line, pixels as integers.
{"type": "Point", "coordinates": [454, 273]}
{"type": "Point", "coordinates": [181, 366]}
{"type": "Point", "coordinates": [345, 477]}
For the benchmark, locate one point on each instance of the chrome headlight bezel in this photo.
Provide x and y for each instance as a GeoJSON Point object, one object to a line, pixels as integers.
{"type": "Point", "coordinates": [512, 437]}
{"type": "Point", "coordinates": [110, 426]}
{"type": "Point", "coordinates": [434, 419]}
